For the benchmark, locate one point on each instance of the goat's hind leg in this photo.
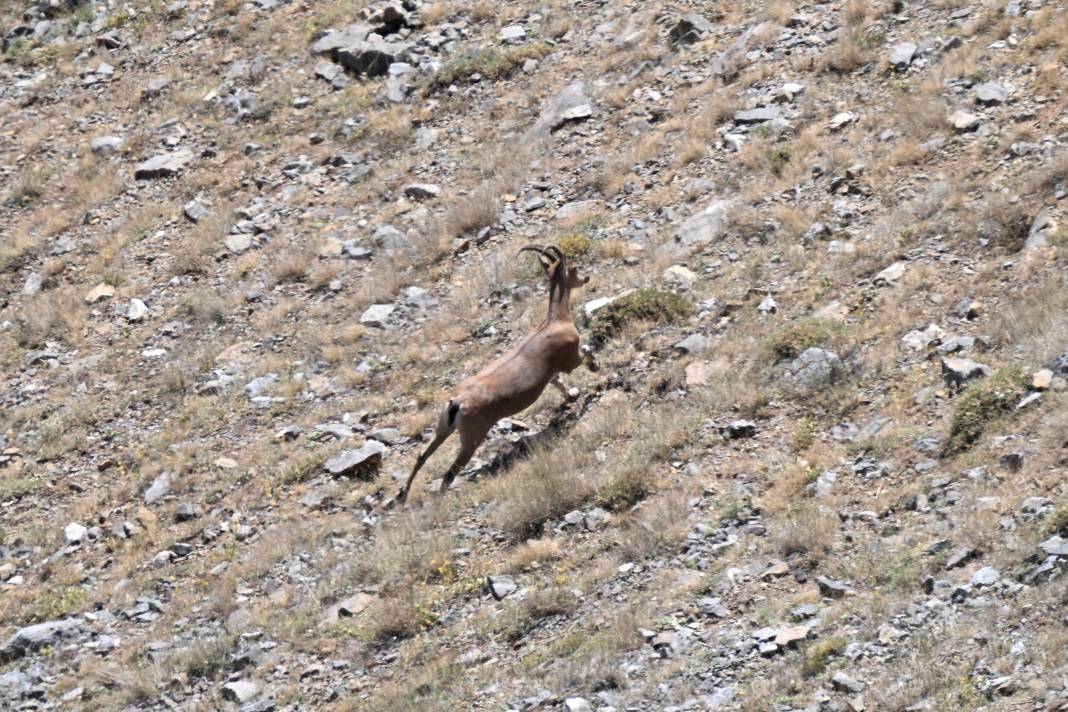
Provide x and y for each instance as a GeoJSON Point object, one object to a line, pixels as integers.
{"type": "Point", "coordinates": [470, 439]}
{"type": "Point", "coordinates": [569, 395]}
{"type": "Point", "coordinates": [446, 425]}
{"type": "Point", "coordinates": [588, 359]}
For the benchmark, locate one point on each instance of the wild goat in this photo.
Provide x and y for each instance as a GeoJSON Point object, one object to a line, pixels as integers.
{"type": "Point", "coordinates": [515, 380]}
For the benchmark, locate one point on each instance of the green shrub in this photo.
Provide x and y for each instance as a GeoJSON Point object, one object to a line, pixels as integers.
{"type": "Point", "coordinates": [17, 488]}
{"type": "Point", "coordinates": [984, 402]}
{"type": "Point", "coordinates": [817, 654]}
{"type": "Point", "coordinates": [648, 304]}
{"type": "Point", "coordinates": [1057, 524]}
{"type": "Point", "coordinates": [574, 244]}
{"type": "Point", "coordinates": [791, 340]}
{"type": "Point", "coordinates": [490, 62]}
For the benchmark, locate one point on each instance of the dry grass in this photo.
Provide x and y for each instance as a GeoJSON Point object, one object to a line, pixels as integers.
{"type": "Point", "coordinates": [855, 46]}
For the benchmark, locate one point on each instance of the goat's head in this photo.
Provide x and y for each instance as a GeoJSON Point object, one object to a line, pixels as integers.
{"type": "Point", "coordinates": [553, 260]}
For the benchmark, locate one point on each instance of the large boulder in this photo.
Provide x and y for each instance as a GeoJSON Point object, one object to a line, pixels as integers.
{"type": "Point", "coordinates": [164, 165]}
{"type": "Point", "coordinates": [706, 226]}
{"type": "Point", "coordinates": [26, 640]}
{"type": "Point", "coordinates": [571, 104]}
{"type": "Point", "coordinates": [814, 368]}
{"type": "Point", "coordinates": [359, 49]}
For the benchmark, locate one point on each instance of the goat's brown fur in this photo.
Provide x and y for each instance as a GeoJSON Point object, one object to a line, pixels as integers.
{"type": "Point", "coordinates": [514, 381]}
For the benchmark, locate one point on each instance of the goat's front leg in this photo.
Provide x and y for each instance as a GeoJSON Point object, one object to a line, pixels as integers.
{"type": "Point", "coordinates": [569, 395]}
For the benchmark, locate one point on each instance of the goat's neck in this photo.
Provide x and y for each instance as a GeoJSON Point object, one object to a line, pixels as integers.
{"type": "Point", "coordinates": [559, 301]}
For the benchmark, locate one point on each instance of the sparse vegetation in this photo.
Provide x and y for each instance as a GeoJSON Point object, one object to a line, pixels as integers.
{"type": "Point", "coordinates": [818, 654]}
{"type": "Point", "coordinates": [791, 340]}
{"type": "Point", "coordinates": [490, 63]}
{"type": "Point", "coordinates": [648, 304]}
{"type": "Point", "coordinates": [666, 533]}
{"type": "Point", "coordinates": [982, 403]}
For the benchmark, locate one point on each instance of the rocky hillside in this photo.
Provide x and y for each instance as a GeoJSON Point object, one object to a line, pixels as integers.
{"type": "Point", "coordinates": [248, 247]}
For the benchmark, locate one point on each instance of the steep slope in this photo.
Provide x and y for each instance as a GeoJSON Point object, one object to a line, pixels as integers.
{"type": "Point", "coordinates": [249, 247]}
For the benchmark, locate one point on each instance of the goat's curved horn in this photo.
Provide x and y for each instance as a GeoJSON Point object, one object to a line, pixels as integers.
{"type": "Point", "coordinates": [556, 251]}
{"type": "Point", "coordinates": [540, 252]}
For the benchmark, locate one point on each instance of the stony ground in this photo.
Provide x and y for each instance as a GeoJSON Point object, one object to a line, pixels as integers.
{"type": "Point", "coordinates": [248, 247]}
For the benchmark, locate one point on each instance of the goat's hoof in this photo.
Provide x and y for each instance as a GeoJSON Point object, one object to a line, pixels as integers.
{"type": "Point", "coordinates": [401, 498]}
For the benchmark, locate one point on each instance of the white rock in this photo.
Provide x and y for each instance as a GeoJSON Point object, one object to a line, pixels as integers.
{"type": "Point", "coordinates": [74, 533]}
{"type": "Point", "coordinates": [137, 310]}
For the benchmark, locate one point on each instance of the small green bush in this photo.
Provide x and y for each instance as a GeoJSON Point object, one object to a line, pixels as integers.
{"type": "Point", "coordinates": [648, 304]}
{"type": "Point", "coordinates": [1057, 524]}
{"type": "Point", "coordinates": [17, 488]}
{"type": "Point", "coordinates": [984, 402]}
{"type": "Point", "coordinates": [490, 62]}
{"type": "Point", "coordinates": [575, 244]}
{"type": "Point", "coordinates": [817, 655]}
{"type": "Point", "coordinates": [791, 340]}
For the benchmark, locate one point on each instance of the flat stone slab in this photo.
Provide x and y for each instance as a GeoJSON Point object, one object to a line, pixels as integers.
{"type": "Point", "coordinates": [357, 463]}
{"type": "Point", "coordinates": [164, 165]}
{"type": "Point", "coordinates": [26, 640]}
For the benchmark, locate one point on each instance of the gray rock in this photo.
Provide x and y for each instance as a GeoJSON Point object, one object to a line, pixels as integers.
{"type": "Point", "coordinates": [919, 339]}
{"type": "Point", "coordinates": [1041, 229]}
{"type": "Point", "coordinates": [422, 191]}
{"type": "Point", "coordinates": [159, 488]}
{"type": "Point", "coordinates": [816, 231]}
{"type": "Point", "coordinates": [238, 243]}
{"type": "Point", "coordinates": [991, 93]}
{"type": "Point", "coordinates": [74, 533]}
{"type": "Point", "coordinates": [241, 691]}
{"type": "Point", "coordinates": [1054, 546]}
{"type": "Point", "coordinates": [106, 145]}
{"type": "Point", "coordinates": [844, 683]}
{"type": "Point", "coordinates": [964, 121]}
{"type": "Point", "coordinates": [960, 556]}
{"type": "Point", "coordinates": [195, 211]}
{"type": "Point", "coordinates": [362, 462]}
{"type": "Point", "coordinates": [155, 87]}
{"type": "Point", "coordinates": [501, 586]}
{"type": "Point", "coordinates": [757, 116]}
{"type": "Point", "coordinates": [739, 429]}
{"type": "Point", "coordinates": [956, 372]}
{"type": "Point", "coordinates": [1059, 364]}
{"type": "Point", "coordinates": [576, 208]}
{"type": "Point", "coordinates": [831, 588]}
{"type": "Point", "coordinates": [571, 104]}
{"type": "Point", "coordinates": [892, 273]}
{"type": "Point", "coordinates": [986, 576]}
{"type": "Point", "coordinates": [512, 34]}
{"type": "Point", "coordinates": [706, 226]}
{"type": "Point", "coordinates": [239, 620]}
{"type": "Point", "coordinates": [768, 305]}
{"type": "Point", "coordinates": [359, 50]}
{"type": "Point", "coordinates": [377, 315]}
{"type": "Point", "coordinates": [902, 55]}
{"type": "Point", "coordinates": [32, 285]}
{"type": "Point", "coordinates": [690, 28]}
{"type": "Point", "coordinates": [164, 165]}
{"type": "Point", "coordinates": [136, 311]}
{"type": "Point", "coordinates": [577, 704]}
{"type": "Point", "coordinates": [389, 238]}
{"type": "Point", "coordinates": [814, 368]}
{"type": "Point", "coordinates": [186, 511]}
{"type": "Point", "coordinates": [28, 639]}
{"type": "Point", "coordinates": [804, 611]}
{"type": "Point", "coordinates": [693, 344]}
